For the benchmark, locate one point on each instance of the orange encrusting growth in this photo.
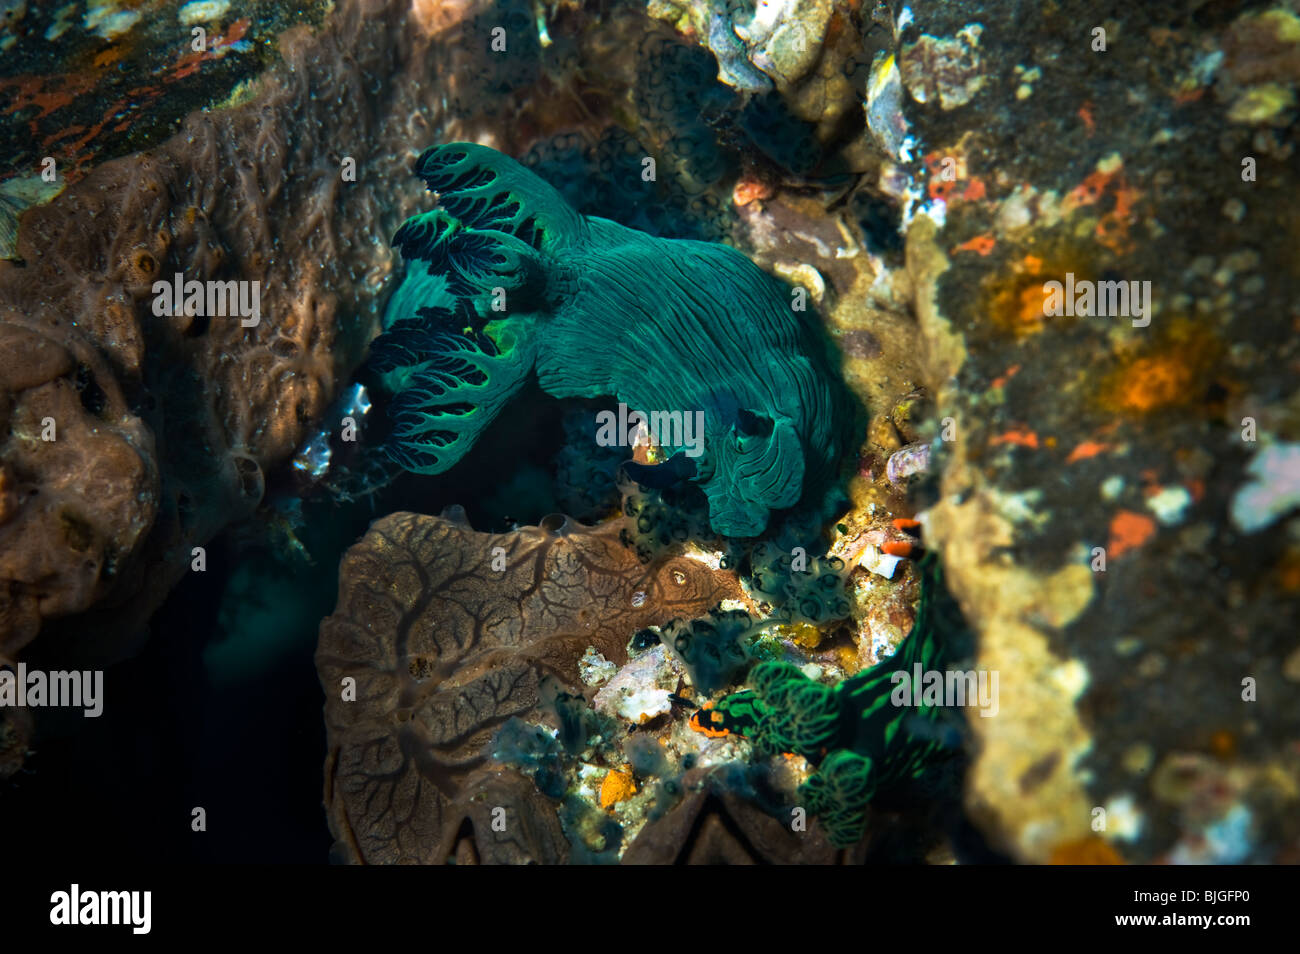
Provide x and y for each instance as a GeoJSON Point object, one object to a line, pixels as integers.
{"type": "Point", "coordinates": [1128, 531]}
{"type": "Point", "coordinates": [618, 786]}
{"type": "Point", "coordinates": [1086, 851]}
{"type": "Point", "coordinates": [1171, 372]}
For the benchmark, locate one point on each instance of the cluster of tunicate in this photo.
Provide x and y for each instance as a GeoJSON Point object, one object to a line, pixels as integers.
{"type": "Point", "coordinates": [679, 98]}
{"type": "Point", "coordinates": [585, 472]}
{"type": "Point", "coordinates": [714, 649]}
{"type": "Point", "coordinates": [785, 139]}
{"type": "Point", "coordinates": [805, 588]}
{"type": "Point", "coordinates": [612, 178]}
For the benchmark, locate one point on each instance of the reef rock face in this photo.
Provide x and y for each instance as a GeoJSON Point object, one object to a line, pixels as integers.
{"type": "Point", "coordinates": [1108, 338]}
{"type": "Point", "coordinates": [440, 636]}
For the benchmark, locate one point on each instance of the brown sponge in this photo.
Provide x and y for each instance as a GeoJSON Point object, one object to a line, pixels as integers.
{"type": "Point", "coordinates": [163, 427]}
{"type": "Point", "coordinates": [444, 634]}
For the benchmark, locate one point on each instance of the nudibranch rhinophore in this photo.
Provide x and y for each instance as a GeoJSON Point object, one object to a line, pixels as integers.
{"type": "Point", "coordinates": [503, 279]}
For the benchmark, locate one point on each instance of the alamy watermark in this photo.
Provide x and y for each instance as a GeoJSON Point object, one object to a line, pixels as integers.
{"type": "Point", "coordinates": [76, 907]}
{"type": "Point", "coordinates": [952, 687]}
{"type": "Point", "coordinates": [1088, 299]}
{"type": "Point", "coordinates": [684, 429]}
{"type": "Point", "coordinates": [211, 299]}
{"type": "Point", "coordinates": [37, 689]}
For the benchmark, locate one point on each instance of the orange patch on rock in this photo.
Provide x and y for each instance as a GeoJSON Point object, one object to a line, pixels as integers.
{"type": "Point", "coordinates": [1128, 531]}
{"type": "Point", "coordinates": [975, 191]}
{"type": "Point", "coordinates": [1015, 301]}
{"type": "Point", "coordinates": [983, 244]}
{"type": "Point", "coordinates": [1154, 382]}
{"type": "Point", "coordinates": [1018, 438]}
{"type": "Point", "coordinates": [618, 786]}
{"type": "Point", "coordinates": [1001, 380]}
{"type": "Point", "coordinates": [748, 190]}
{"type": "Point", "coordinates": [1086, 851]}
{"type": "Point", "coordinates": [1174, 371]}
{"type": "Point", "coordinates": [1087, 449]}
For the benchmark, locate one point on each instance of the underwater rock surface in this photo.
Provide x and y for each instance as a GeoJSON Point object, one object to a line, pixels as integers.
{"type": "Point", "coordinates": [1053, 252]}
{"type": "Point", "coordinates": [1084, 504]}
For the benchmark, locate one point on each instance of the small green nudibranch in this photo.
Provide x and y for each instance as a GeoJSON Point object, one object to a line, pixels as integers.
{"type": "Point", "coordinates": [504, 279]}
{"type": "Point", "coordinates": [860, 741]}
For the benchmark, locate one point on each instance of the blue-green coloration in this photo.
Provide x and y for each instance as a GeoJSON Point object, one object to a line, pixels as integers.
{"type": "Point", "coordinates": [505, 279]}
{"type": "Point", "coordinates": [859, 740]}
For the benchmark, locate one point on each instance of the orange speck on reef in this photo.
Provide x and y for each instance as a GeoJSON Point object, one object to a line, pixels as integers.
{"type": "Point", "coordinates": [1001, 380]}
{"type": "Point", "coordinates": [1223, 744]}
{"type": "Point", "coordinates": [1128, 531]}
{"type": "Point", "coordinates": [1288, 573]}
{"type": "Point", "coordinates": [107, 57]}
{"type": "Point", "coordinates": [905, 523]}
{"type": "Point", "coordinates": [1020, 438]}
{"type": "Point", "coordinates": [618, 786]}
{"type": "Point", "coordinates": [983, 244]}
{"type": "Point", "coordinates": [975, 191]}
{"type": "Point", "coordinates": [898, 548]}
{"type": "Point", "coordinates": [1085, 113]}
{"type": "Point", "coordinates": [1086, 851]}
{"type": "Point", "coordinates": [1112, 230]}
{"type": "Point", "coordinates": [1089, 191]}
{"type": "Point", "coordinates": [1087, 449]}
{"type": "Point", "coordinates": [748, 190]}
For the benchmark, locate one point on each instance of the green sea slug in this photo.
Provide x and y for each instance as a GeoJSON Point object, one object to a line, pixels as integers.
{"type": "Point", "coordinates": [504, 279]}
{"type": "Point", "coordinates": [860, 739]}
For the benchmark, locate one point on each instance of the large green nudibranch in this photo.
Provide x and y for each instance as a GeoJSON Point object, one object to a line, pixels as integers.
{"type": "Point", "coordinates": [504, 279]}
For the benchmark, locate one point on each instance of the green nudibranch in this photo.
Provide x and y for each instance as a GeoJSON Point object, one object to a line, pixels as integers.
{"type": "Point", "coordinates": [505, 279]}
{"type": "Point", "coordinates": [860, 741]}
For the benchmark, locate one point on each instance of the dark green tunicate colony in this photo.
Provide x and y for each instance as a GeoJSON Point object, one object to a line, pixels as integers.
{"type": "Point", "coordinates": [608, 178]}
{"type": "Point", "coordinates": [585, 472]}
{"type": "Point", "coordinates": [662, 520]}
{"type": "Point", "coordinates": [504, 279]}
{"type": "Point", "coordinates": [860, 741]}
{"type": "Point", "coordinates": [714, 649]}
{"type": "Point", "coordinates": [492, 75]}
{"type": "Point", "coordinates": [679, 97]}
{"type": "Point", "coordinates": [800, 587]}
{"type": "Point", "coordinates": [782, 137]}
{"type": "Point", "coordinates": [535, 752]}
{"type": "Point", "coordinates": [594, 837]}
{"type": "Point", "coordinates": [576, 720]}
